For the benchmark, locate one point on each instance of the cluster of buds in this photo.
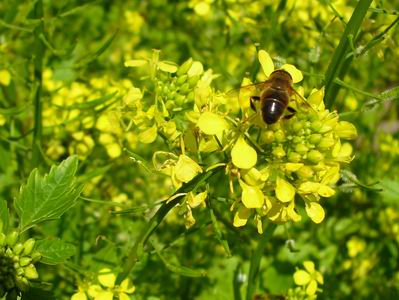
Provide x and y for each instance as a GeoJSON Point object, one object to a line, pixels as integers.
{"type": "Point", "coordinates": [17, 267]}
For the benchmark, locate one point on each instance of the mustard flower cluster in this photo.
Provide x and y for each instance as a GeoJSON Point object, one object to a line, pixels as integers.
{"type": "Point", "coordinates": [271, 166]}
{"type": "Point", "coordinates": [17, 264]}
{"type": "Point", "coordinates": [104, 288]}
{"type": "Point", "coordinates": [79, 116]}
{"type": "Point", "coordinates": [307, 280]}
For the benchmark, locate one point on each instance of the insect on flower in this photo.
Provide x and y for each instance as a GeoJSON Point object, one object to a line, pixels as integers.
{"type": "Point", "coordinates": [274, 95]}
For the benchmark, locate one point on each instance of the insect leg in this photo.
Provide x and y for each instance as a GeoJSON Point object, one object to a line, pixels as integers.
{"type": "Point", "coordinates": [252, 99]}
{"type": "Point", "coordinates": [292, 111]}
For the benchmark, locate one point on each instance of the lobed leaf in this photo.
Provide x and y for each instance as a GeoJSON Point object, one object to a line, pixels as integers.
{"type": "Point", "coordinates": [54, 251]}
{"type": "Point", "coordinates": [48, 197]}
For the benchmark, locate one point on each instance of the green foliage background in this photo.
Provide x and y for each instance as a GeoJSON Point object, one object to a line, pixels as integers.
{"type": "Point", "coordinates": [81, 46]}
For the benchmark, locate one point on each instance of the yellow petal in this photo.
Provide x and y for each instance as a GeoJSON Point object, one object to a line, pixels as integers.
{"type": "Point", "coordinates": [106, 277]}
{"type": "Point", "coordinates": [332, 176]}
{"type": "Point", "coordinates": [127, 286]}
{"type": "Point", "coordinates": [243, 156]}
{"type": "Point", "coordinates": [196, 200]}
{"type": "Point", "coordinates": [196, 69]}
{"type": "Point", "coordinates": [266, 62]}
{"type": "Point", "coordinates": [211, 123]}
{"type": "Point", "coordinates": [309, 266]}
{"type": "Point", "coordinates": [5, 77]}
{"type": "Point", "coordinates": [252, 177]}
{"type": "Point", "coordinates": [149, 135]}
{"type": "Point", "coordinates": [312, 288]}
{"type": "Point", "coordinates": [135, 63]}
{"type": "Point", "coordinates": [252, 196]}
{"type": "Point", "coordinates": [245, 94]}
{"type": "Point", "coordinates": [301, 277]}
{"type": "Point", "coordinates": [123, 296]}
{"type": "Point", "coordinates": [308, 187]}
{"type": "Point", "coordinates": [292, 214]}
{"type": "Point", "coordinates": [345, 130]}
{"type": "Point", "coordinates": [79, 296]}
{"type": "Point", "coordinates": [292, 167]}
{"type": "Point", "coordinates": [202, 8]}
{"type": "Point", "coordinates": [294, 72]}
{"type": "Point", "coordinates": [241, 216]}
{"type": "Point", "coordinates": [104, 295]}
{"type": "Point", "coordinates": [315, 212]}
{"type": "Point", "coordinates": [94, 289]}
{"type": "Point", "coordinates": [316, 99]}
{"type": "Point", "coordinates": [285, 192]}
{"type": "Point", "coordinates": [186, 168]}
{"type": "Point", "coordinates": [114, 150]}
{"type": "Point", "coordinates": [325, 191]}
{"type": "Point", "coordinates": [319, 277]}
{"type": "Point", "coordinates": [167, 66]}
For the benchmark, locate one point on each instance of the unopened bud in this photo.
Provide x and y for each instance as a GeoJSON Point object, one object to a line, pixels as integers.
{"type": "Point", "coordinates": [315, 156]}
{"type": "Point", "coordinates": [183, 69]}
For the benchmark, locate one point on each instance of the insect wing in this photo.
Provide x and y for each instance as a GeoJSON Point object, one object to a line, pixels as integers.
{"type": "Point", "coordinates": [245, 92]}
{"type": "Point", "coordinates": [300, 100]}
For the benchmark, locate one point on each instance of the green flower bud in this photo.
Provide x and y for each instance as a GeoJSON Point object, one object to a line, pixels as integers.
{"type": "Point", "coordinates": [278, 152]}
{"type": "Point", "coordinates": [183, 69]}
{"type": "Point", "coordinates": [268, 137]}
{"type": "Point", "coordinates": [305, 172]}
{"type": "Point", "coordinates": [165, 90]}
{"type": "Point", "coordinates": [190, 96]}
{"type": "Point", "coordinates": [294, 157]}
{"type": "Point", "coordinates": [185, 88]}
{"type": "Point", "coordinates": [326, 143]}
{"type": "Point", "coordinates": [301, 148]}
{"type": "Point", "coordinates": [18, 248]}
{"type": "Point", "coordinates": [30, 272]}
{"type": "Point", "coordinates": [316, 126]}
{"type": "Point", "coordinates": [315, 138]}
{"type": "Point", "coordinates": [179, 100]}
{"type": "Point", "coordinates": [279, 136]}
{"type": "Point", "coordinates": [192, 81]}
{"type": "Point", "coordinates": [297, 139]}
{"type": "Point", "coordinates": [22, 286]}
{"type": "Point", "coordinates": [36, 256]}
{"type": "Point", "coordinates": [315, 156]}
{"type": "Point", "coordinates": [297, 126]}
{"type": "Point", "coordinates": [181, 79]}
{"type": "Point", "coordinates": [28, 246]}
{"type": "Point", "coordinates": [12, 238]}
{"type": "Point", "coordinates": [24, 261]}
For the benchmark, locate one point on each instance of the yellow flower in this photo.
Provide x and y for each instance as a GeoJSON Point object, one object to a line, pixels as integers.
{"type": "Point", "coordinates": [308, 277]}
{"type": "Point", "coordinates": [5, 77]}
{"type": "Point", "coordinates": [107, 279]}
{"type": "Point", "coordinates": [186, 169]}
{"type": "Point", "coordinates": [268, 67]}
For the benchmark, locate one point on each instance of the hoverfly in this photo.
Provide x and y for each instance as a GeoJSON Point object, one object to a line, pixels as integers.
{"type": "Point", "coordinates": [274, 97]}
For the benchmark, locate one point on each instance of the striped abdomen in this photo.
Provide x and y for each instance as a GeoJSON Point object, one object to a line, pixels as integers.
{"type": "Point", "coordinates": [273, 104]}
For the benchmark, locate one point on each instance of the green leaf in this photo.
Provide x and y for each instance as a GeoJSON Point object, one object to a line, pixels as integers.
{"type": "Point", "coordinates": [46, 198]}
{"type": "Point", "coordinates": [4, 215]}
{"type": "Point", "coordinates": [54, 251]}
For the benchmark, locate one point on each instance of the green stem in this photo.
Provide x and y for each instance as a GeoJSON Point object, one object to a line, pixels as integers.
{"type": "Point", "coordinates": [338, 64]}
{"type": "Point", "coordinates": [256, 259]}
{"type": "Point", "coordinates": [38, 85]}
{"type": "Point", "coordinates": [138, 248]}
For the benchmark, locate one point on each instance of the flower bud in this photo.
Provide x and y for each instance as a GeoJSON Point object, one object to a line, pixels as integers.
{"type": "Point", "coordinates": [192, 81]}
{"type": "Point", "coordinates": [184, 89]}
{"type": "Point", "coordinates": [12, 238]}
{"type": "Point", "coordinates": [316, 126]}
{"type": "Point", "coordinates": [268, 137]}
{"type": "Point", "coordinates": [184, 67]}
{"type": "Point", "coordinates": [28, 246]}
{"type": "Point", "coordinates": [294, 157]}
{"type": "Point", "coordinates": [30, 272]}
{"type": "Point", "coordinates": [279, 136]}
{"type": "Point", "coordinates": [315, 156]}
{"type": "Point", "coordinates": [36, 256]}
{"type": "Point", "coordinates": [278, 152]}
{"type": "Point", "coordinates": [326, 143]}
{"type": "Point", "coordinates": [181, 79]}
{"type": "Point", "coordinates": [301, 148]}
{"type": "Point", "coordinates": [315, 138]}
{"type": "Point", "coordinates": [18, 248]}
{"type": "Point", "coordinates": [305, 172]}
{"type": "Point", "coordinates": [24, 261]}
